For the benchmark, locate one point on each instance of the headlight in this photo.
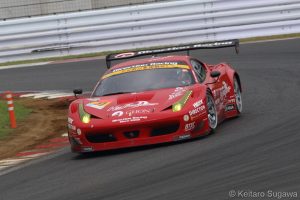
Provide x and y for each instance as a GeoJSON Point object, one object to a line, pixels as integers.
{"type": "Point", "coordinates": [176, 107]}
{"type": "Point", "coordinates": [180, 104]}
{"type": "Point", "coordinates": [84, 116]}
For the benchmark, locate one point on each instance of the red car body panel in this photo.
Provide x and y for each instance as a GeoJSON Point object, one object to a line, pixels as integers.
{"type": "Point", "coordinates": [144, 118]}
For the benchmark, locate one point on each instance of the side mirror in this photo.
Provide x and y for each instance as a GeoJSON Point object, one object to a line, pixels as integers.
{"type": "Point", "coordinates": [215, 74]}
{"type": "Point", "coordinates": [77, 92]}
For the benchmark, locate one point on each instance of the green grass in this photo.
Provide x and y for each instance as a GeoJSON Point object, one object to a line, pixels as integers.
{"type": "Point", "coordinates": [21, 113]}
{"type": "Point", "coordinates": [273, 37]}
{"type": "Point", "coordinates": [91, 55]}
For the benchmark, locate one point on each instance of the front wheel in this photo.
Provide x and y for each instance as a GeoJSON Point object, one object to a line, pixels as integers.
{"type": "Point", "coordinates": [211, 112]}
{"type": "Point", "coordinates": [238, 96]}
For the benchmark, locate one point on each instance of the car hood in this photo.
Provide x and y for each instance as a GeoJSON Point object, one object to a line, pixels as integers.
{"type": "Point", "coordinates": [134, 104]}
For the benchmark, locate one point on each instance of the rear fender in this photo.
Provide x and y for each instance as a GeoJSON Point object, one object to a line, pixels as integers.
{"type": "Point", "coordinates": [231, 74]}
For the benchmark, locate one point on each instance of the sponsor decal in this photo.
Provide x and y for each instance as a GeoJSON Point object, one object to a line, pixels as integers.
{"type": "Point", "coordinates": [131, 112]}
{"type": "Point", "coordinates": [146, 66]}
{"type": "Point", "coordinates": [137, 112]}
{"type": "Point", "coordinates": [183, 137]}
{"type": "Point", "coordinates": [231, 101]}
{"type": "Point", "coordinates": [72, 127]}
{"type": "Point", "coordinates": [118, 114]}
{"type": "Point", "coordinates": [124, 55]}
{"type": "Point", "coordinates": [190, 126]}
{"type": "Point", "coordinates": [198, 103]}
{"type": "Point", "coordinates": [70, 120]}
{"type": "Point", "coordinates": [87, 149]}
{"type": "Point", "coordinates": [179, 91]}
{"type": "Point", "coordinates": [196, 116]}
{"type": "Point", "coordinates": [197, 110]}
{"type": "Point", "coordinates": [224, 90]}
{"type": "Point", "coordinates": [229, 107]}
{"type": "Point", "coordinates": [186, 118]}
{"type": "Point", "coordinates": [214, 44]}
{"type": "Point", "coordinates": [200, 45]}
{"type": "Point", "coordinates": [129, 119]}
{"type": "Point", "coordinates": [163, 50]}
{"type": "Point", "coordinates": [98, 105]}
{"type": "Point", "coordinates": [132, 105]}
{"type": "Point", "coordinates": [221, 93]}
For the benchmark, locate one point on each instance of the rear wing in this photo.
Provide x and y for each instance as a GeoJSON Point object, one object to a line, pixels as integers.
{"type": "Point", "coordinates": [187, 48]}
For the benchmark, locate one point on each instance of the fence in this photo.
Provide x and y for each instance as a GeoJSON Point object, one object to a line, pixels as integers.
{"type": "Point", "coordinates": [164, 23]}
{"type": "Point", "coordinates": [27, 8]}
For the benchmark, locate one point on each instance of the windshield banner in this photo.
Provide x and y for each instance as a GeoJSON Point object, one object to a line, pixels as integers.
{"type": "Point", "coordinates": [147, 66]}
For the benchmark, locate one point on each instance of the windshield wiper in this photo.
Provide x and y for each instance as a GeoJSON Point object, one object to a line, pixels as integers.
{"type": "Point", "coordinates": [115, 93]}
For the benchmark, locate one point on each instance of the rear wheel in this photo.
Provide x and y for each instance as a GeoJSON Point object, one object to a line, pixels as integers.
{"type": "Point", "coordinates": [238, 96]}
{"type": "Point", "coordinates": [211, 112]}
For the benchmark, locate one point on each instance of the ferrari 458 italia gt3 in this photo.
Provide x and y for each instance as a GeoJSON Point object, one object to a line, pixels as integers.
{"type": "Point", "coordinates": [155, 100]}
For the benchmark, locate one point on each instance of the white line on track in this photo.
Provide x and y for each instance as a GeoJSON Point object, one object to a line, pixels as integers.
{"type": "Point", "coordinates": [28, 95]}
{"type": "Point", "coordinates": [48, 155]}
{"type": "Point", "coordinates": [59, 95]}
{"type": "Point", "coordinates": [49, 95]}
{"type": "Point", "coordinates": [65, 135]}
{"type": "Point", "coordinates": [43, 95]}
{"type": "Point", "coordinates": [36, 155]}
{"type": "Point", "coordinates": [9, 162]}
{"type": "Point", "coordinates": [3, 167]}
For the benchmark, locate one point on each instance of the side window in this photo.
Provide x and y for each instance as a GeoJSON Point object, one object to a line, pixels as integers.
{"type": "Point", "coordinates": [199, 69]}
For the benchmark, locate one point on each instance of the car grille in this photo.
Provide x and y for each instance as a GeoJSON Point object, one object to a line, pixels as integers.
{"type": "Point", "coordinates": [158, 130]}
{"type": "Point", "coordinates": [131, 134]}
{"type": "Point", "coordinates": [164, 130]}
{"type": "Point", "coordinates": [100, 137]}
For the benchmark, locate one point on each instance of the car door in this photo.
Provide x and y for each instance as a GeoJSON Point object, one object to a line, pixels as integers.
{"type": "Point", "coordinates": [216, 85]}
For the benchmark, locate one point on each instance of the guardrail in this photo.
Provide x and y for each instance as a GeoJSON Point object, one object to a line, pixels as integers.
{"type": "Point", "coordinates": [157, 24]}
{"type": "Point", "coordinates": [16, 9]}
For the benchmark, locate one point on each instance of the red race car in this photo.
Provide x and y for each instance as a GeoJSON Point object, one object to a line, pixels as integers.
{"type": "Point", "coordinates": [155, 100]}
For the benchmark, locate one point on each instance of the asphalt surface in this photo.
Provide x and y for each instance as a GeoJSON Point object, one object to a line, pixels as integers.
{"type": "Point", "coordinates": [65, 76]}
{"type": "Point", "coordinates": [259, 151]}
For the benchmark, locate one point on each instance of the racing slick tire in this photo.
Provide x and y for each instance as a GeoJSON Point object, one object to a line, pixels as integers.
{"type": "Point", "coordinates": [238, 96]}
{"type": "Point", "coordinates": [212, 114]}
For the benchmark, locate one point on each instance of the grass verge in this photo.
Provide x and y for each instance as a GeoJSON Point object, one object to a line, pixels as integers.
{"type": "Point", "coordinates": [91, 55]}
{"type": "Point", "coordinates": [273, 37]}
{"type": "Point", "coordinates": [21, 113]}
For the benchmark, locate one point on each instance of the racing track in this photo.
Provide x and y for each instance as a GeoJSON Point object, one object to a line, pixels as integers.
{"type": "Point", "coordinates": [258, 151]}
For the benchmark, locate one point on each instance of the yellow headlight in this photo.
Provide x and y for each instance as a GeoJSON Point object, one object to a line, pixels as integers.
{"type": "Point", "coordinates": [179, 104]}
{"type": "Point", "coordinates": [86, 119]}
{"type": "Point", "coordinates": [177, 107]}
{"type": "Point", "coordinates": [84, 116]}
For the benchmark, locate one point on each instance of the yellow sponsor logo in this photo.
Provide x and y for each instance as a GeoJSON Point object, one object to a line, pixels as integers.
{"type": "Point", "coordinates": [98, 105]}
{"type": "Point", "coordinates": [141, 68]}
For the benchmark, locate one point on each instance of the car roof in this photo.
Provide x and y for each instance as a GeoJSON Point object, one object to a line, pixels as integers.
{"type": "Point", "coordinates": [172, 58]}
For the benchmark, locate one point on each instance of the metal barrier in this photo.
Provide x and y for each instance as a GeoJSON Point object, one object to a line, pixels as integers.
{"type": "Point", "coordinates": [157, 24]}
{"type": "Point", "coordinates": [28, 8]}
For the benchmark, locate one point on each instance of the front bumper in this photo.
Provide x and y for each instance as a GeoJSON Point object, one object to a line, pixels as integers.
{"type": "Point", "coordinates": [158, 130]}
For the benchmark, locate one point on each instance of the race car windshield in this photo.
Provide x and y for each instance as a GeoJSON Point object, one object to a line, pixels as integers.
{"type": "Point", "coordinates": [144, 80]}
